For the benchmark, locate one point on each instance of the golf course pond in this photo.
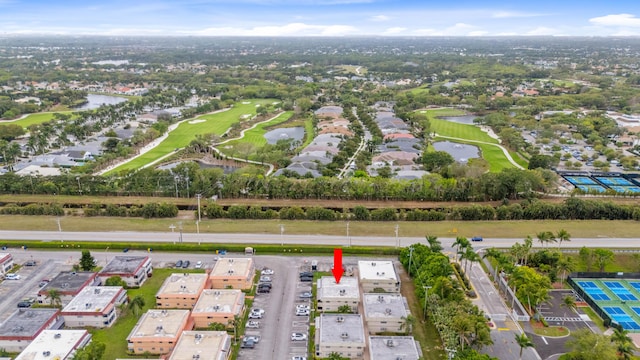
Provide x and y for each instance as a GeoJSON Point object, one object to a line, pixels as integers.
{"type": "Point", "coordinates": [464, 119]}
{"type": "Point", "coordinates": [295, 133]}
{"type": "Point", "coordinates": [460, 152]}
{"type": "Point", "coordinates": [94, 101]}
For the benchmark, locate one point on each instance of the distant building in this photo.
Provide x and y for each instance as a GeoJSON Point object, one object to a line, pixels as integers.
{"type": "Point", "coordinates": [234, 273]}
{"type": "Point", "coordinates": [331, 295]}
{"type": "Point", "coordinates": [202, 345]}
{"type": "Point", "coordinates": [94, 306]}
{"type": "Point", "coordinates": [181, 291]}
{"type": "Point", "coordinates": [340, 333]}
{"type": "Point", "coordinates": [134, 270]}
{"type": "Point", "coordinates": [378, 275]}
{"type": "Point", "coordinates": [394, 348]}
{"type": "Point", "coordinates": [6, 263]}
{"type": "Point", "coordinates": [24, 325]}
{"type": "Point", "coordinates": [217, 306]}
{"type": "Point", "coordinates": [55, 344]}
{"type": "Point", "coordinates": [68, 284]}
{"type": "Point", "coordinates": [385, 312]}
{"type": "Point", "coordinates": [157, 331]}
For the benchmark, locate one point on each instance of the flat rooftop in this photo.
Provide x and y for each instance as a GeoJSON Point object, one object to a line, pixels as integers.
{"type": "Point", "coordinates": [202, 345]}
{"type": "Point", "coordinates": [53, 344]}
{"type": "Point", "coordinates": [68, 281]}
{"type": "Point", "coordinates": [26, 322]}
{"type": "Point", "coordinates": [93, 299]}
{"type": "Point", "coordinates": [221, 301]}
{"type": "Point", "coordinates": [347, 288]}
{"type": "Point", "coordinates": [124, 264]}
{"type": "Point", "coordinates": [384, 305]}
{"type": "Point", "coordinates": [156, 323]}
{"type": "Point", "coordinates": [341, 328]}
{"type": "Point", "coordinates": [183, 283]}
{"type": "Point", "coordinates": [377, 270]}
{"type": "Point", "coordinates": [393, 348]}
{"type": "Point", "coordinates": [232, 267]}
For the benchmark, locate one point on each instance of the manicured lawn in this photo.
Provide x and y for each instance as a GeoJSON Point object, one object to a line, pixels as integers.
{"type": "Point", "coordinates": [539, 329]}
{"type": "Point", "coordinates": [256, 136]}
{"type": "Point", "coordinates": [463, 131]}
{"type": "Point", "coordinates": [442, 112]}
{"type": "Point", "coordinates": [492, 154]}
{"type": "Point", "coordinates": [519, 159]}
{"type": "Point", "coordinates": [216, 124]}
{"type": "Point", "coordinates": [37, 118]}
{"type": "Point", "coordinates": [115, 337]}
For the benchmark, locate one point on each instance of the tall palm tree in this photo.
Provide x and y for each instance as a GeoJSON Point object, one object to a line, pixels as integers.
{"type": "Point", "coordinates": [565, 265]}
{"type": "Point", "coordinates": [55, 297]}
{"type": "Point", "coordinates": [528, 243]}
{"type": "Point", "coordinates": [570, 303]}
{"type": "Point", "coordinates": [460, 243]}
{"type": "Point", "coordinates": [543, 237]}
{"type": "Point", "coordinates": [407, 323]}
{"type": "Point", "coordinates": [563, 235]}
{"type": "Point", "coordinates": [524, 342]}
{"type": "Point", "coordinates": [470, 256]}
{"type": "Point", "coordinates": [621, 338]}
{"type": "Point", "coordinates": [137, 304]}
{"type": "Point", "coordinates": [434, 244]}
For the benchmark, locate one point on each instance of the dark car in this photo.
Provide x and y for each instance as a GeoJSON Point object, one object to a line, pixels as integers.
{"type": "Point", "coordinates": [263, 290]}
{"type": "Point", "coordinates": [30, 263]}
{"type": "Point", "coordinates": [306, 274]}
{"type": "Point", "coordinates": [476, 238]}
{"type": "Point", "coordinates": [248, 344]}
{"type": "Point", "coordinates": [306, 278]}
{"type": "Point", "coordinates": [186, 264]}
{"type": "Point", "coordinates": [24, 304]}
{"type": "Point", "coordinates": [179, 263]}
{"type": "Point", "coordinates": [264, 286]}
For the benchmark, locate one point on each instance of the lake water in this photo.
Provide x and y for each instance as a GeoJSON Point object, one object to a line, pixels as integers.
{"type": "Point", "coordinates": [460, 152]}
{"type": "Point", "coordinates": [465, 119]}
{"type": "Point", "coordinates": [94, 101]}
{"type": "Point", "coordinates": [295, 133]}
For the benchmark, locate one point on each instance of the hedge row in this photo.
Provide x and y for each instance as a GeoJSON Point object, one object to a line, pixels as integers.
{"type": "Point", "coordinates": [147, 211]}
{"type": "Point", "coordinates": [33, 209]}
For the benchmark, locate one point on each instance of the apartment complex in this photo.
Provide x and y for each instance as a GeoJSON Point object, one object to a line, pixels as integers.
{"type": "Point", "coordinates": [202, 345]}
{"type": "Point", "coordinates": [377, 276]}
{"type": "Point", "coordinates": [233, 273]}
{"type": "Point", "coordinates": [340, 333]}
{"type": "Point", "coordinates": [217, 306]}
{"type": "Point", "coordinates": [157, 331]}
{"type": "Point", "coordinates": [181, 291]}
{"type": "Point", "coordinates": [94, 306]}
{"type": "Point", "coordinates": [385, 312]}
{"type": "Point", "coordinates": [24, 325]}
{"type": "Point", "coordinates": [394, 348]}
{"type": "Point", "coordinates": [331, 295]}
{"type": "Point", "coordinates": [134, 270]}
{"type": "Point", "coordinates": [68, 284]}
{"type": "Point", "coordinates": [55, 344]}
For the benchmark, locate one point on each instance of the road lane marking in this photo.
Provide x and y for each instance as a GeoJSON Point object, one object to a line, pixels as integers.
{"type": "Point", "coordinates": [545, 340]}
{"type": "Point", "coordinates": [504, 329]}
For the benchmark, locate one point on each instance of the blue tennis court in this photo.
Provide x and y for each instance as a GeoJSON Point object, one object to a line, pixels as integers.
{"type": "Point", "coordinates": [588, 188]}
{"type": "Point", "coordinates": [635, 285]}
{"type": "Point", "coordinates": [636, 309]}
{"type": "Point", "coordinates": [617, 298]}
{"type": "Point", "coordinates": [597, 294]}
{"type": "Point", "coordinates": [621, 317]}
{"type": "Point", "coordinates": [613, 285]}
{"type": "Point", "coordinates": [587, 284]}
{"type": "Point", "coordinates": [614, 181]}
{"type": "Point", "coordinates": [580, 180]}
{"type": "Point", "coordinates": [625, 189]}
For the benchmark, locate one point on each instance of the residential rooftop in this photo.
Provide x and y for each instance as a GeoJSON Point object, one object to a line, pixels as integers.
{"type": "Point", "coordinates": [393, 348]}
{"type": "Point", "coordinates": [384, 305]}
{"type": "Point", "coordinates": [220, 301]}
{"type": "Point", "coordinates": [93, 299]}
{"type": "Point", "coordinates": [232, 267]}
{"type": "Point", "coordinates": [347, 288]}
{"type": "Point", "coordinates": [183, 283]}
{"type": "Point", "coordinates": [69, 281]}
{"type": "Point", "coordinates": [156, 323]}
{"type": "Point", "coordinates": [54, 344]}
{"type": "Point", "coordinates": [377, 270]}
{"type": "Point", "coordinates": [26, 322]}
{"type": "Point", "coordinates": [340, 328]}
{"type": "Point", "coordinates": [202, 345]}
{"type": "Point", "coordinates": [124, 264]}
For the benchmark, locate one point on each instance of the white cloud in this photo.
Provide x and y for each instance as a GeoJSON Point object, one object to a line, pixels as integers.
{"type": "Point", "coordinates": [513, 14]}
{"type": "Point", "coordinates": [459, 29]}
{"type": "Point", "coordinates": [541, 31]}
{"type": "Point", "coordinates": [292, 29]}
{"type": "Point", "coordinates": [394, 31]}
{"type": "Point", "coordinates": [379, 18]}
{"type": "Point", "coordinates": [617, 20]}
{"type": "Point", "coordinates": [478, 33]}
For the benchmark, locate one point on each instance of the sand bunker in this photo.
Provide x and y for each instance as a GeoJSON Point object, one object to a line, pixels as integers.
{"type": "Point", "coordinates": [246, 102]}
{"type": "Point", "coordinates": [196, 121]}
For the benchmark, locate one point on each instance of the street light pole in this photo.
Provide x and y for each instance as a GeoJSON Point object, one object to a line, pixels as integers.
{"type": "Point", "coordinates": [199, 196]}
{"type": "Point", "coordinates": [397, 239]}
{"type": "Point", "coordinates": [410, 257]}
{"type": "Point", "coordinates": [79, 186]}
{"type": "Point", "coordinates": [348, 237]}
{"type": "Point", "coordinates": [426, 296]}
{"type": "Point", "coordinates": [282, 234]}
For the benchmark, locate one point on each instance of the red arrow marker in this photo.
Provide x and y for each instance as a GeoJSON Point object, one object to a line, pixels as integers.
{"type": "Point", "coordinates": [337, 265]}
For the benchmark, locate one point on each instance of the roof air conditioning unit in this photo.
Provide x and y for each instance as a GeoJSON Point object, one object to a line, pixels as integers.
{"type": "Point", "coordinates": [46, 353]}
{"type": "Point", "coordinates": [57, 336]}
{"type": "Point", "coordinates": [340, 319]}
{"type": "Point", "coordinates": [344, 335]}
{"type": "Point", "coordinates": [390, 343]}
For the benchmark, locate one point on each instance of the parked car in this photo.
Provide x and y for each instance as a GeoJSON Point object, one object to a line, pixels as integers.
{"type": "Point", "coordinates": [30, 263]}
{"type": "Point", "coordinates": [306, 274]}
{"type": "Point", "coordinates": [254, 338]}
{"type": "Point", "coordinates": [199, 264]}
{"type": "Point", "coordinates": [263, 290]}
{"type": "Point", "coordinates": [299, 358]}
{"type": "Point", "coordinates": [25, 303]}
{"type": "Point", "coordinates": [302, 312]}
{"type": "Point", "coordinates": [306, 295]}
{"type": "Point", "coordinates": [298, 337]}
{"type": "Point", "coordinates": [302, 306]}
{"type": "Point", "coordinates": [185, 264]}
{"type": "Point", "coordinates": [251, 324]}
{"type": "Point", "coordinates": [43, 282]}
{"type": "Point", "coordinates": [12, 277]}
{"type": "Point", "coordinates": [256, 314]}
{"type": "Point", "coordinates": [266, 271]}
{"type": "Point", "coordinates": [265, 279]}
{"type": "Point", "coordinates": [247, 344]}
{"type": "Point", "coordinates": [306, 279]}
{"type": "Point", "coordinates": [179, 263]}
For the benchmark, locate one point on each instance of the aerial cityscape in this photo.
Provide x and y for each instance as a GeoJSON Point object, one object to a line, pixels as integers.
{"type": "Point", "coordinates": [319, 180]}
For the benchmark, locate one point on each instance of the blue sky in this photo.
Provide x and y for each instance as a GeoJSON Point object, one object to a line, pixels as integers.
{"type": "Point", "coordinates": [321, 17]}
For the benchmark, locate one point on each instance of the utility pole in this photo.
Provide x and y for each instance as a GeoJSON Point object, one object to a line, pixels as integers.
{"type": "Point", "coordinates": [348, 237]}
{"type": "Point", "coordinates": [397, 239]}
{"type": "Point", "coordinates": [199, 196]}
{"type": "Point", "coordinates": [60, 229]}
{"type": "Point", "coordinates": [180, 231]}
{"type": "Point", "coordinates": [410, 256]}
{"type": "Point", "coordinates": [188, 195]}
{"type": "Point", "coordinates": [282, 234]}
{"type": "Point", "coordinates": [426, 296]}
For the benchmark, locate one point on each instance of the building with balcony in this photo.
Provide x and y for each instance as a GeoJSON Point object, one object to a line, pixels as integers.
{"type": "Point", "coordinates": [55, 344]}
{"type": "Point", "coordinates": [202, 345]}
{"type": "Point", "coordinates": [376, 276]}
{"type": "Point", "coordinates": [331, 295]}
{"type": "Point", "coordinates": [24, 325]}
{"type": "Point", "coordinates": [157, 331]}
{"type": "Point", "coordinates": [134, 270]}
{"type": "Point", "coordinates": [233, 273]}
{"type": "Point", "coordinates": [340, 333]}
{"type": "Point", "coordinates": [217, 306]}
{"type": "Point", "coordinates": [385, 312]}
{"type": "Point", "coordinates": [394, 348]}
{"type": "Point", "coordinates": [181, 291]}
{"type": "Point", "coordinates": [68, 284]}
{"type": "Point", "coordinates": [94, 306]}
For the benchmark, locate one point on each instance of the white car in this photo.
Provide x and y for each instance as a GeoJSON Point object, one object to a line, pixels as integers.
{"type": "Point", "coordinates": [299, 358]}
{"type": "Point", "coordinates": [266, 272]}
{"type": "Point", "coordinates": [253, 324]}
{"type": "Point", "coordinates": [298, 337]}
{"type": "Point", "coordinates": [12, 277]}
{"type": "Point", "coordinates": [265, 279]}
{"type": "Point", "coordinates": [198, 264]}
{"type": "Point", "coordinates": [302, 312]}
{"type": "Point", "coordinates": [302, 307]}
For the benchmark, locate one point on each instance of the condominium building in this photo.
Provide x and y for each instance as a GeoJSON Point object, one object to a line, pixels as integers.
{"type": "Point", "coordinates": [378, 276]}
{"type": "Point", "coordinates": [385, 313]}
{"type": "Point", "coordinates": [24, 325]}
{"type": "Point", "coordinates": [157, 331]}
{"type": "Point", "coordinates": [134, 270]}
{"type": "Point", "coordinates": [340, 333]}
{"type": "Point", "coordinates": [333, 295]}
{"type": "Point", "coordinates": [394, 348]}
{"type": "Point", "coordinates": [94, 306]}
{"type": "Point", "coordinates": [202, 345]}
{"type": "Point", "coordinates": [55, 344]}
{"type": "Point", "coordinates": [217, 306]}
{"type": "Point", "coordinates": [181, 291]}
{"type": "Point", "coordinates": [233, 273]}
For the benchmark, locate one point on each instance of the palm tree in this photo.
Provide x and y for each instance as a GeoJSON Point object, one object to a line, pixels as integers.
{"type": "Point", "coordinates": [407, 323]}
{"type": "Point", "coordinates": [55, 297]}
{"type": "Point", "coordinates": [470, 256]}
{"type": "Point", "coordinates": [459, 244]}
{"type": "Point", "coordinates": [542, 237]}
{"type": "Point", "coordinates": [563, 235]}
{"type": "Point", "coordinates": [528, 243]}
{"type": "Point", "coordinates": [524, 342]}
{"type": "Point", "coordinates": [565, 265]}
{"type": "Point", "coordinates": [570, 303]}
{"type": "Point", "coordinates": [434, 244]}
{"type": "Point", "coordinates": [137, 304]}
{"type": "Point", "coordinates": [621, 338]}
